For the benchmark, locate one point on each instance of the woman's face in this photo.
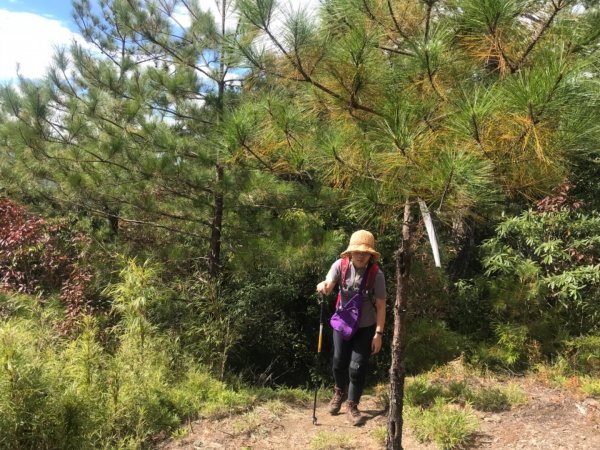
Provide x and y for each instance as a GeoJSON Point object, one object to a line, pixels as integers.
{"type": "Point", "coordinates": [360, 259]}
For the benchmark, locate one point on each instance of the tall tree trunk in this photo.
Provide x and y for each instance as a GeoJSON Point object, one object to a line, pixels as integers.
{"type": "Point", "coordinates": [397, 369]}
{"type": "Point", "coordinates": [214, 260]}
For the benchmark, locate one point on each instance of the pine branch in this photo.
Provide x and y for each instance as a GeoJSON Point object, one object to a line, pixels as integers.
{"type": "Point", "coordinates": [306, 77]}
{"type": "Point", "coordinates": [396, 23]}
{"type": "Point", "coordinates": [557, 7]}
{"type": "Point", "coordinates": [396, 51]}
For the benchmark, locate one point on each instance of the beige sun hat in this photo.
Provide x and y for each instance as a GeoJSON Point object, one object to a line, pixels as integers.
{"type": "Point", "coordinates": [362, 241]}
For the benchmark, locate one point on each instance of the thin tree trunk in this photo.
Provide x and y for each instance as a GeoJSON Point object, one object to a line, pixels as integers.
{"type": "Point", "coordinates": [397, 369]}
{"type": "Point", "coordinates": [214, 261]}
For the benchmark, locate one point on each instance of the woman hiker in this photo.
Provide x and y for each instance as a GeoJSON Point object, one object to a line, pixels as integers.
{"type": "Point", "coordinates": [350, 357]}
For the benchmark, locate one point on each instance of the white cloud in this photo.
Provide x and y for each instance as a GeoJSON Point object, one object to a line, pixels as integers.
{"type": "Point", "coordinates": [29, 40]}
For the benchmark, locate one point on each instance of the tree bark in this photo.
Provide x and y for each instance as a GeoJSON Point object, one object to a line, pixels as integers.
{"type": "Point", "coordinates": [397, 369]}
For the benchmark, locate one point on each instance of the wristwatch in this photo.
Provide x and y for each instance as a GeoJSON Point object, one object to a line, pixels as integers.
{"type": "Point", "coordinates": [380, 333]}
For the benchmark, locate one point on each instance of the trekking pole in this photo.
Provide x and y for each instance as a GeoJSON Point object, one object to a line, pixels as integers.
{"type": "Point", "coordinates": [319, 345]}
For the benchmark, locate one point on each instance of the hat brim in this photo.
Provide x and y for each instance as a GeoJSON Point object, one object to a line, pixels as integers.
{"type": "Point", "coordinates": [361, 248]}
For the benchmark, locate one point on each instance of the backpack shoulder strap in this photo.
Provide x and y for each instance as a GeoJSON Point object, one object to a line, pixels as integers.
{"type": "Point", "coordinates": [344, 264]}
{"type": "Point", "coordinates": [371, 276]}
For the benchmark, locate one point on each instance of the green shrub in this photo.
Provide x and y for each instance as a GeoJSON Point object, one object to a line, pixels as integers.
{"type": "Point", "coordinates": [59, 392]}
{"type": "Point", "coordinates": [583, 354]}
{"type": "Point", "coordinates": [543, 266]}
{"type": "Point", "coordinates": [512, 340]}
{"type": "Point", "coordinates": [431, 343]}
{"type": "Point", "coordinates": [24, 403]}
{"type": "Point", "coordinates": [509, 352]}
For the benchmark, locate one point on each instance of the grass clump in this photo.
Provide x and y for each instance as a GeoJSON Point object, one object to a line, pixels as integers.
{"type": "Point", "coordinates": [247, 423]}
{"type": "Point", "coordinates": [421, 392]}
{"type": "Point", "coordinates": [490, 399]}
{"type": "Point", "coordinates": [379, 434]}
{"type": "Point", "coordinates": [444, 424]}
{"type": "Point", "coordinates": [591, 387]}
{"type": "Point", "coordinates": [295, 396]}
{"type": "Point", "coordinates": [515, 394]}
{"type": "Point", "coordinates": [331, 441]}
{"type": "Point", "coordinates": [276, 407]}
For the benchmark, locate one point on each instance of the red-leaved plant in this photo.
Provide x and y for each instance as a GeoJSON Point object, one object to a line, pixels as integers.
{"type": "Point", "coordinates": [39, 256]}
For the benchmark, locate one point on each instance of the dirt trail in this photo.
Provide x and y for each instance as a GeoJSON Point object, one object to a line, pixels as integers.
{"type": "Point", "coordinates": [551, 420]}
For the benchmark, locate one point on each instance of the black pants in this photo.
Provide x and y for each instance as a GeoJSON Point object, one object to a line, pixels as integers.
{"type": "Point", "coordinates": [350, 361]}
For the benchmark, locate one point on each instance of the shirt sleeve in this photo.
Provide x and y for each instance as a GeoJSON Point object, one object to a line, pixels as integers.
{"type": "Point", "coordinates": [379, 288]}
{"type": "Point", "coordinates": [335, 272]}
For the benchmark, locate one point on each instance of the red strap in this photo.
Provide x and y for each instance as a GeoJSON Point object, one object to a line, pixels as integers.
{"type": "Point", "coordinates": [344, 264]}
{"type": "Point", "coordinates": [344, 267]}
{"type": "Point", "coordinates": [371, 276]}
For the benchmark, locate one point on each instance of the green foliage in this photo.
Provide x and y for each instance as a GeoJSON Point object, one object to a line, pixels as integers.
{"type": "Point", "coordinates": [243, 188]}
{"type": "Point", "coordinates": [431, 343]}
{"type": "Point", "coordinates": [471, 309]}
{"type": "Point", "coordinates": [545, 265]}
{"type": "Point", "coordinates": [539, 288]}
{"type": "Point", "coordinates": [511, 347]}
{"type": "Point", "coordinates": [59, 392]}
{"type": "Point", "coordinates": [515, 394]}
{"type": "Point", "coordinates": [583, 354]}
{"type": "Point", "coordinates": [28, 416]}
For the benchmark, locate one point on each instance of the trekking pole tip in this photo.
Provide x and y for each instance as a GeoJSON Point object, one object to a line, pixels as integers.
{"type": "Point", "coordinates": [314, 420]}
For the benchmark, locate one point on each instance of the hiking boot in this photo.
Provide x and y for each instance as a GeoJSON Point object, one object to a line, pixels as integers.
{"type": "Point", "coordinates": [354, 414]}
{"type": "Point", "coordinates": [336, 401]}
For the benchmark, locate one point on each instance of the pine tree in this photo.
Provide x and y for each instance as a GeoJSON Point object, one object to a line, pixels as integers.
{"type": "Point", "coordinates": [462, 104]}
{"type": "Point", "coordinates": [141, 125]}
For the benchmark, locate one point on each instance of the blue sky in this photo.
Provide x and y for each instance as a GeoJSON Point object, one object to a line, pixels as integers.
{"type": "Point", "coordinates": [30, 30]}
{"type": "Point", "coordinates": [51, 9]}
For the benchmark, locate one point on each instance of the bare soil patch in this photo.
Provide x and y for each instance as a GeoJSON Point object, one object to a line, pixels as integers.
{"type": "Point", "coordinates": [552, 419]}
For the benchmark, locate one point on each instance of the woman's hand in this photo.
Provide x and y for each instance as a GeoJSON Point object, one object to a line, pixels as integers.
{"type": "Point", "coordinates": [325, 287]}
{"type": "Point", "coordinates": [376, 344]}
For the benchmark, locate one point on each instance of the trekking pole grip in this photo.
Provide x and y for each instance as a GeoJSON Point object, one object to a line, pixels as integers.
{"type": "Point", "coordinates": [320, 344]}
